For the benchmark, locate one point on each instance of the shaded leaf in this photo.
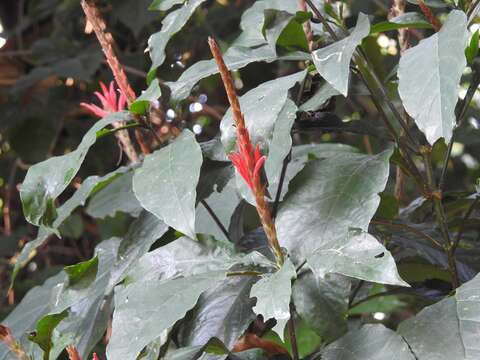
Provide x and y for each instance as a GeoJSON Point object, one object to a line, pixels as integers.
{"type": "Point", "coordinates": [143, 310]}
{"type": "Point", "coordinates": [322, 303]}
{"type": "Point", "coordinates": [429, 74]}
{"type": "Point", "coordinates": [118, 196]}
{"type": "Point", "coordinates": [333, 61]}
{"type": "Point", "coordinates": [371, 342]}
{"type": "Point", "coordinates": [166, 183]}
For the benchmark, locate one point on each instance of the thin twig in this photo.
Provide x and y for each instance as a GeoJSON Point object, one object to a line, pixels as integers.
{"type": "Point", "coordinates": [461, 230]}
{"type": "Point", "coordinates": [292, 334]}
{"type": "Point", "coordinates": [216, 219]}
{"type": "Point", "coordinates": [409, 229]}
{"type": "Point", "coordinates": [278, 194]}
{"type": "Point", "coordinates": [107, 44]}
{"type": "Point", "coordinates": [354, 293]}
{"type": "Point", "coordinates": [380, 294]}
{"type": "Point", "coordinates": [9, 189]}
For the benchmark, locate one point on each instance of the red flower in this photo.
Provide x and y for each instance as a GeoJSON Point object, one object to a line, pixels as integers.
{"type": "Point", "coordinates": [95, 357]}
{"type": "Point", "coordinates": [248, 161]}
{"type": "Point", "coordinates": [109, 101]}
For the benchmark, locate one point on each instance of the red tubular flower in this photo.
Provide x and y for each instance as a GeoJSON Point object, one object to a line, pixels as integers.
{"type": "Point", "coordinates": [95, 357]}
{"type": "Point", "coordinates": [248, 162]}
{"type": "Point", "coordinates": [109, 101]}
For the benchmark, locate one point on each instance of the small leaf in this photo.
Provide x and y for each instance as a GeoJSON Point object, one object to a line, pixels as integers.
{"type": "Point", "coordinates": [471, 51]}
{"type": "Point", "coordinates": [405, 21]}
{"type": "Point", "coordinates": [164, 5]}
{"type": "Point", "coordinates": [166, 183]}
{"type": "Point", "coordinates": [78, 271]}
{"type": "Point", "coordinates": [142, 104]}
{"type": "Point", "coordinates": [429, 74]}
{"type": "Point", "coordinates": [44, 330]}
{"type": "Point", "coordinates": [333, 61]}
{"type": "Point", "coordinates": [273, 292]}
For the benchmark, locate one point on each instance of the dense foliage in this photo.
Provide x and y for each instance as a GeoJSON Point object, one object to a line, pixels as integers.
{"type": "Point", "coordinates": [330, 211]}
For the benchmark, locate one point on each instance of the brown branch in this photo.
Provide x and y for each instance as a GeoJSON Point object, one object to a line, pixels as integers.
{"type": "Point", "coordinates": [430, 15]}
{"type": "Point", "coordinates": [107, 44]}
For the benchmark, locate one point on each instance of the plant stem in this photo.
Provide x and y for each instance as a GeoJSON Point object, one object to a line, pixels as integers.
{"type": "Point", "coordinates": [216, 219]}
{"type": "Point", "coordinates": [243, 139]}
{"type": "Point", "coordinates": [410, 229]}
{"type": "Point", "coordinates": [292, 334]}
{"type": "Point", "coordinates": [469, 212]}
{"type": "Point", "coordinates": [278, 194]}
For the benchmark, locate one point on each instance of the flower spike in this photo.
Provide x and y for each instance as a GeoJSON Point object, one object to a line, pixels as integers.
{"type": "Point", "coordinates": [108, 98]}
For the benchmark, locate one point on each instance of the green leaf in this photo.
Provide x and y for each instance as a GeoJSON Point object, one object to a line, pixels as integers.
{"type": "Point", "coordinates": [142, 104]}
{"type": "Point", "coordinates": [410, 20]}
{"type": "Point", "coordinates": [224, 311]}
{"type": "Point", "coordinates": [166, 183]}
{"type": "Point", "coordinates": [89, 186]}
{"type": "Point", "coordinates": [43, 333]}
{"type": "Point", "coordinates": [327, 198]}
{"type": "Point", "coordinates": [333, 61]}
{"type": "Point", "coordinates": [370, 342]}
{"type": "Point", "coordinates": [361, 257]}
{"type": "Point", "coordinates": [143, 310]}
{"type": "Point", "coordinates": [273, 292]}
{"type": "Point", "coordinates": [471, 51]}
{"type": "Point", "coordinates": [454, 320]}
{"type": "Point", "coordinates": [322, 303]}
{"type": "Point", "coordinates": [236, 57]}
{"type": "Point", "coordinates": [172, 24]}
{"type": "Point", "coordinates": [78, 271]}
{"type": "Point", "coordinates": [117, 197]}
{"type": "Point", "coordinates": [431, 3]}
{"type": "Point", "coordinates": [429, 74]}
{"type": "Point", "coordinates": [45, 181]}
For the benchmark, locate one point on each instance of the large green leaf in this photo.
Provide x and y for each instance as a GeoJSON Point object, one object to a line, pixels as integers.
{"type": "Point", "coordinates": [327, 198]}
{"type": "Point", "coordinates": [454, 320]}
{"type": "Point", "coordinates": [273, 293]}
{"type": "Point", "coordinates": [143, 310]}
{"type": "Point", "coordinates": [361, 257]}
{"type": "Point", "coordinates": [333, 61]}
{"type": "Point", "coordinates": [45, 181]}
{"type": "Point", "coordinates": [89, 186]}
{"type": "Point", "coordinates": [322, 303]}
{"type": "Point", "coordinates": [371, 342]}
{"type": "Point", "coordinates": [224, 311]}
{"type": "Point", "coordinates": [42, 336]}
{"type": "Point", "coordinates": [172, 24]}
{"type": "Point", "coordinates": [429, 74]}
{"type": "Point", "coordinates": [166, 183]}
